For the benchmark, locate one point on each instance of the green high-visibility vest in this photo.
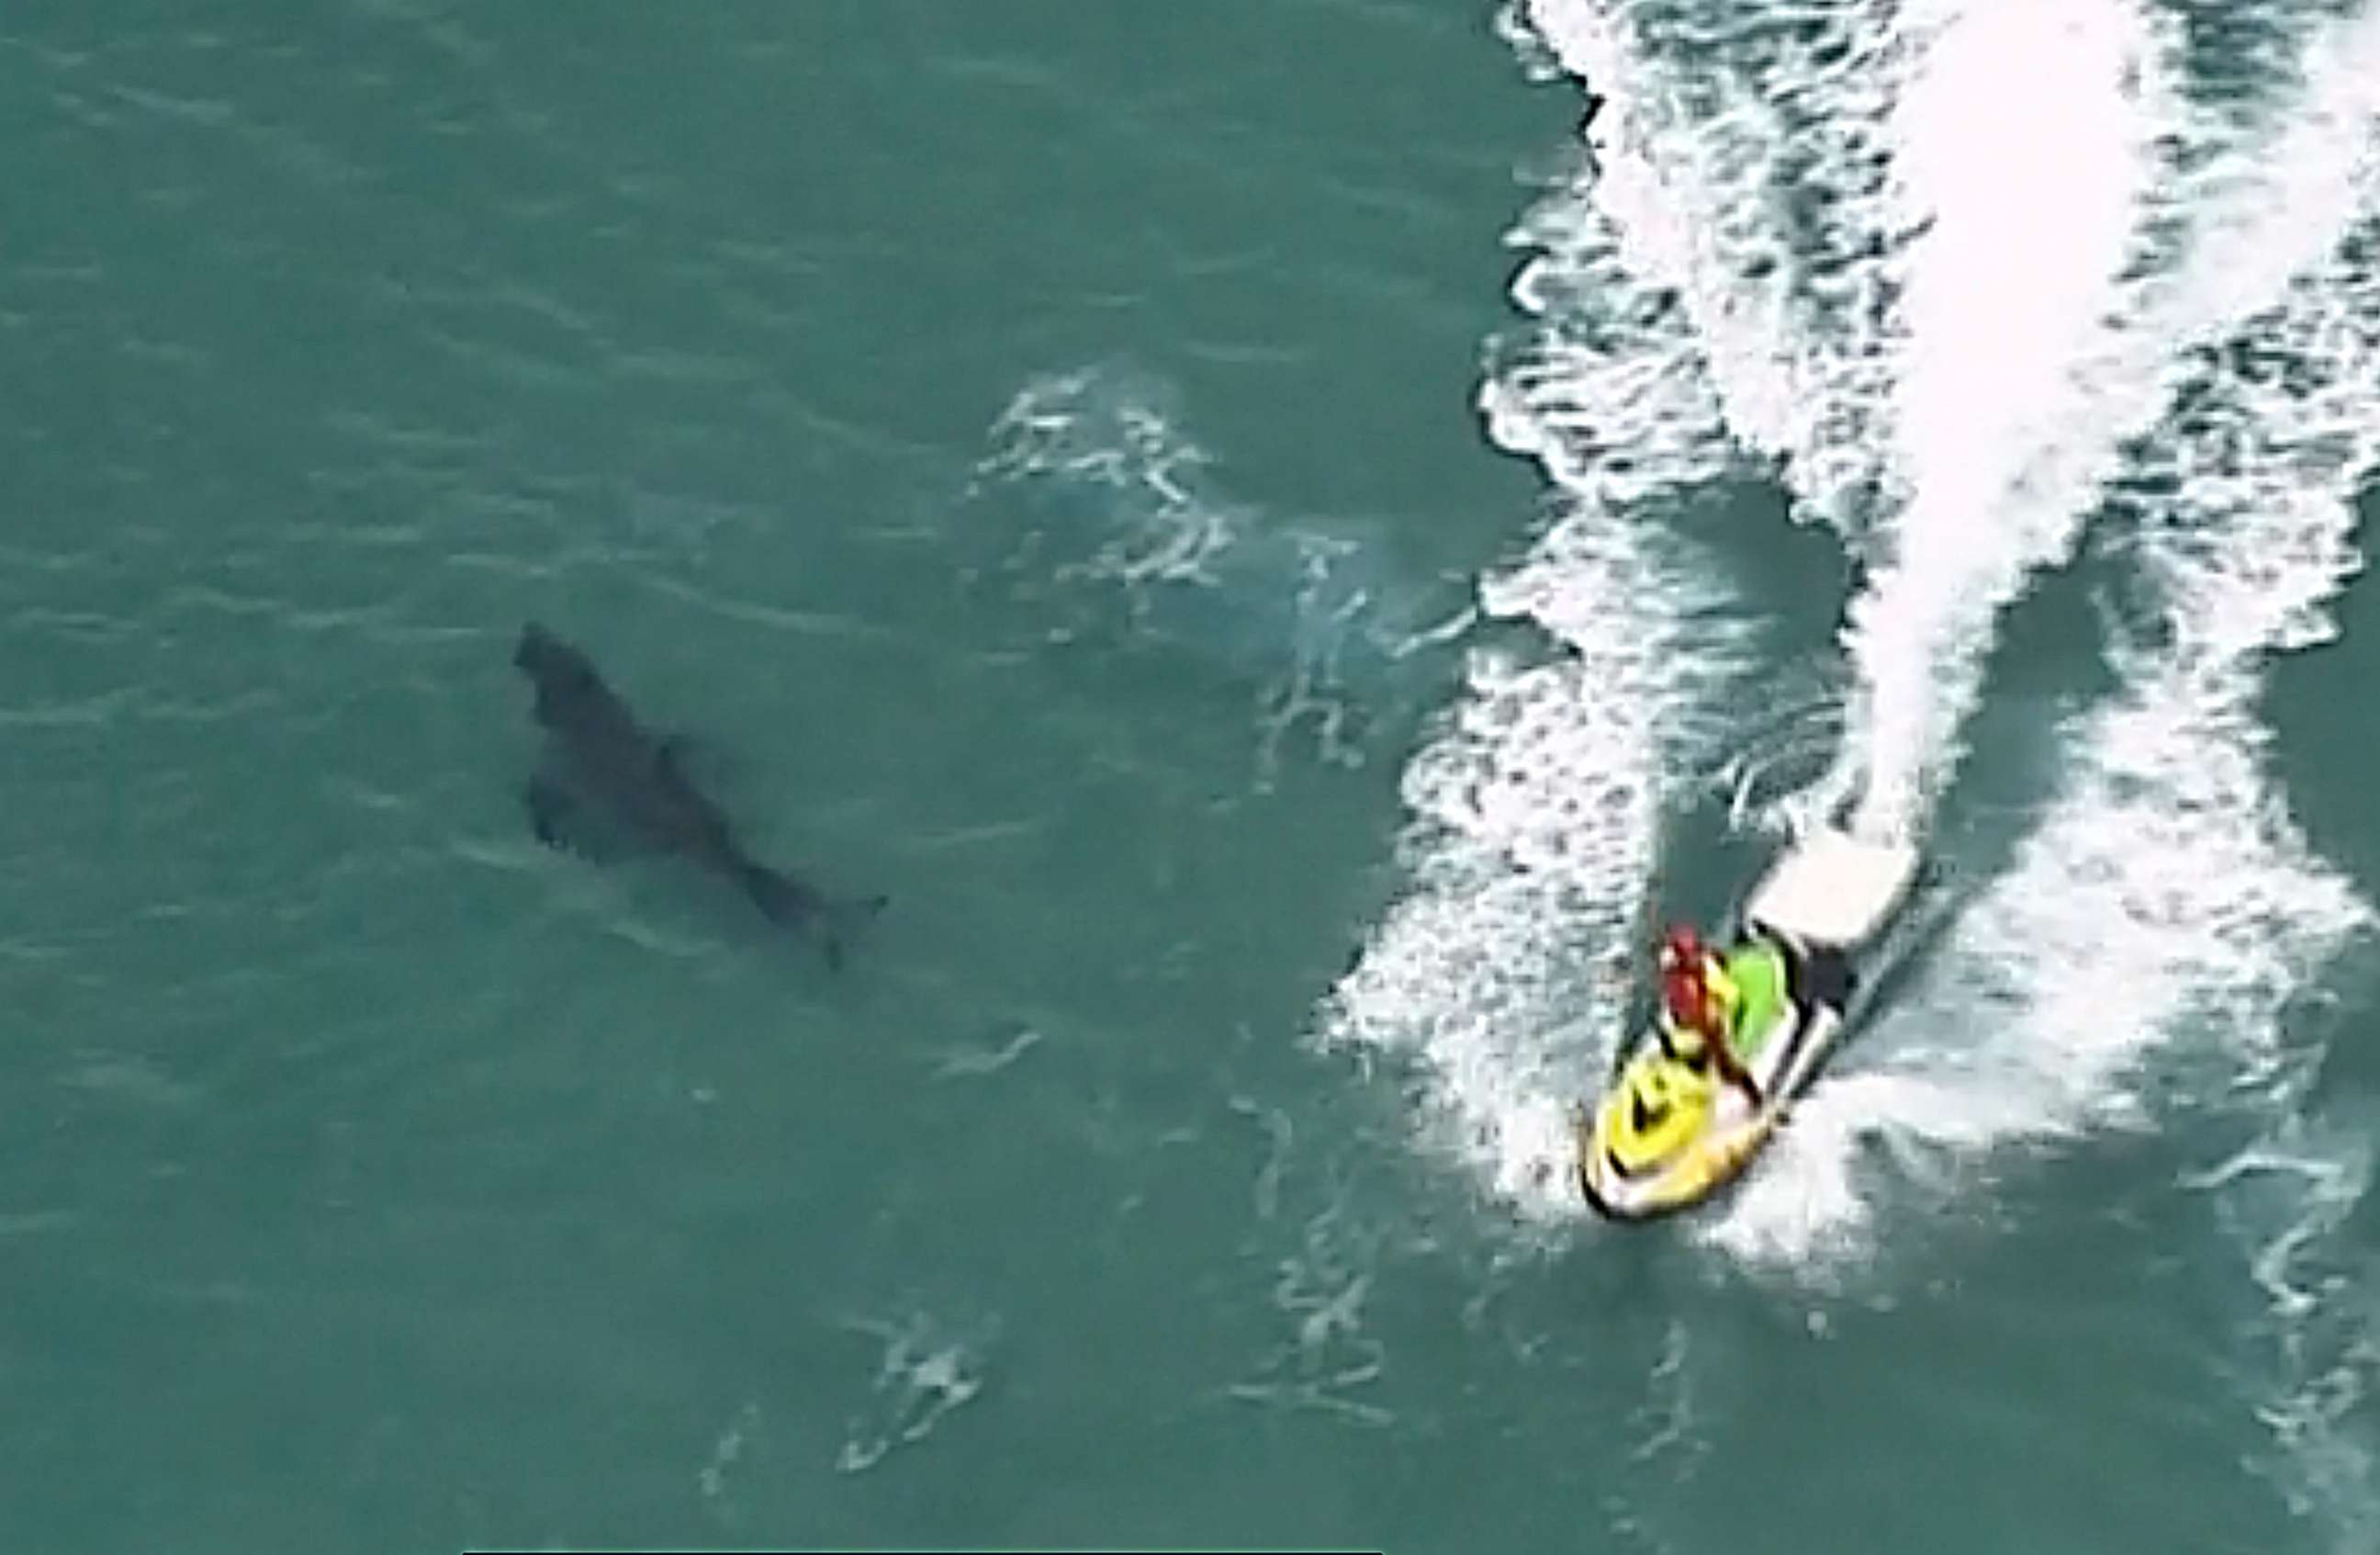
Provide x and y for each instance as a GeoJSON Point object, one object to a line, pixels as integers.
{"type": "Point", "coordinates": [1758, 971]}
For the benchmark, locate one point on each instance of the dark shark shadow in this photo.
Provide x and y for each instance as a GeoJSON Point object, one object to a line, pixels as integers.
{"type": "Point", "coordinates": [606, 786]}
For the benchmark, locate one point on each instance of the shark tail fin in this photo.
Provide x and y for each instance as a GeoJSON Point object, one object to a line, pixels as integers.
{"type": "Point", "coordinates": [789, 904]}
{"type": "Point", "coordinates": [845, 918]}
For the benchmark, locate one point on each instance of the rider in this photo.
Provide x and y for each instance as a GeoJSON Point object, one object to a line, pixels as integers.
{"type": "Point", "coordinates": [1703, 1005]}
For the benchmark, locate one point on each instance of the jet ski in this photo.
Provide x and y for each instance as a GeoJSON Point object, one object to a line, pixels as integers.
{"type": "Point", "coordinates": [1806, 945]}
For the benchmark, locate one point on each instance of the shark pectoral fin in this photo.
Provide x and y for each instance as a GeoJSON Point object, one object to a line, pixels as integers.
{"type": "Point", "coordinates": [551, 807]}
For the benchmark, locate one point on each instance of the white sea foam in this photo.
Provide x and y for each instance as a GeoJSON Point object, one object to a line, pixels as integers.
{"type": "Point", "coordinates": [1115, 516]}
{"type": "Point", "coordinates": [2017, 277]}
{"type": "Point", "coordinates": [2167, 869]}
{"type": "Point", "coordinates": [2054, 323]}
{"type": "Point", "coordinates": [1719, 282]}
{"type": "Point", "coordinates": [1536, 807]}
{"type": "Point", "coordinates": [1117, 435]}
{"type": "Point", "coordinates": [1746, 173]}
{"type": "Point", "coordinates": [2164, 919]}
{"type": "Point", "coordinates": [2120, 298]}
{"type": "Point", "coordinates": [925, 1373]}
{"type": "Point", "coordinates": [1535, 804]}
{"type": "Point", "coordinates": [2117, 300]}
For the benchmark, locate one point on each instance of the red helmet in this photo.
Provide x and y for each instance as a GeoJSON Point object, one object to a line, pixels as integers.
{"type": "Point", "coordinates": [1682, 946]}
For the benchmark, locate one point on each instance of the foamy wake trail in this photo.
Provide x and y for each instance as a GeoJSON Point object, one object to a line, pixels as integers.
{"type": "Point", "coordinates": [1747, 172]}
{"type": "Point", "coordinates": [2168, 912]}
{"type": "Point", "coordinates": [1116, 433]}
{"type": "Point", "coordinates": [1688, 308]}
{"type": "Point", "coordinates": [2166, 908]}
{"type": "Point", "coordinates": [2051, 323]}
{"type": "Point", "coordinates": [1720, 281]}
{"type": "Point", "coordinates": [1534, 805]}
{"type": "Point", "coordinates": [2276, 458]}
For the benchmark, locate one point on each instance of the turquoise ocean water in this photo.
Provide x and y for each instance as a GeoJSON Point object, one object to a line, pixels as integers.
{"type": "Point", "coordinates": [1275, 554]}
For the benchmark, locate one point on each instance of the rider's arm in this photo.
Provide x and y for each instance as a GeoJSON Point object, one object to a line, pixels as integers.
{"type": "Point", "coordinates": [1733, 1072]}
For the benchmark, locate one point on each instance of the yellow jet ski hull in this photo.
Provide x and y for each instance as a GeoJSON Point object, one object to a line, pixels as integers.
{"type": "Point", "coordinates": [1666, 1137]}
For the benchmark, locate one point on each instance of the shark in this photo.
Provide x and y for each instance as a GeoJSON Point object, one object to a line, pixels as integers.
{"type": "Point", "coordinates": [602, 768]}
